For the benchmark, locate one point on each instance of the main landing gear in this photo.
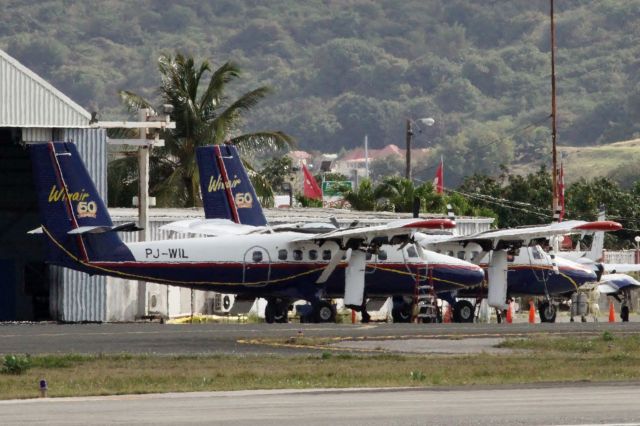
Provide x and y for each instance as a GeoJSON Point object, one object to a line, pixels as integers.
{"type": "Point", "coordinates": [277, 311]}
{"type": "Point", "coordinates": [401, 310]}
{"type": "Point", "coordinates": [463, 311]}
{"type": "Point", "coordinates": [319, 311]}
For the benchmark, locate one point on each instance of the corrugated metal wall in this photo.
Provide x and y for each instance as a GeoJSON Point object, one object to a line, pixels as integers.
{"type": "Point", "coordinates": [78, 296]}
{"type": "Point", "coordinates": [27, 100]}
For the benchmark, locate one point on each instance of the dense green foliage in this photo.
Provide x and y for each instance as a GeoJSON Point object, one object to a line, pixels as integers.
{"type": "Point", "coordinates": [340, 69]}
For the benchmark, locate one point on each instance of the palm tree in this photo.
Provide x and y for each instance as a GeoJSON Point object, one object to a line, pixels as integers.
{"type": "Point", "coordinates": [398, 193]}
{"type": "Point", "coordinates": [203, 117]}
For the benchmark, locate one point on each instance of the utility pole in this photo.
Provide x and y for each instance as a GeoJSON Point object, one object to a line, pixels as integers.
{"type": "Point", "coordinates": [143, 201]}
{"type": "Point", "coordinates": [409, 133]}
{"type": "Point", "coordinates": [146, 121]}
{"type": "Point", "coordinates": [554, 172]}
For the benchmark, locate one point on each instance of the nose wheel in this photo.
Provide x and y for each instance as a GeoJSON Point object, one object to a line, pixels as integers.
{"type": "Point", "coordinates": [547, 311]}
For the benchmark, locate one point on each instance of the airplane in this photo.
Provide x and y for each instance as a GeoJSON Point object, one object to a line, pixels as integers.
{"type": "Point", "coordinates": [517, 265]}
{"type": "Point", "coordinates": [251, 261]}
{"type": "Point", "coordinates": [613, 281]}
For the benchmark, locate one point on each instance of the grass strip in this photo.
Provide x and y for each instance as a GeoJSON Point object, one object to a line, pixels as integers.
{"type": "Point", "coordinates": [535, 360]}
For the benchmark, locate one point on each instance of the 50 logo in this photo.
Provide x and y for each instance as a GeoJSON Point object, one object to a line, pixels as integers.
{"type": "Point", "coordinates": [244, 200]}
{"type": "Point", "coordinates": [87, 209]}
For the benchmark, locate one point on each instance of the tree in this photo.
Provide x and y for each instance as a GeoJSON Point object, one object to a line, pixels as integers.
{"type": "Point", "coordinates": [203, 117]}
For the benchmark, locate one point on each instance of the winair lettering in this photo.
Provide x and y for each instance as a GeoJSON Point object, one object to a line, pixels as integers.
{"type": "Point", "coordinates": [218, 184]}
{"type": "Point", "coordinates": [58, 195]}
{"type": "Point", "coordinates": [169, 253]}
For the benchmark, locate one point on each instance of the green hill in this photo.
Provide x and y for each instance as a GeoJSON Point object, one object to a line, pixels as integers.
{"type": "Point", "coordinates": [341, 69]}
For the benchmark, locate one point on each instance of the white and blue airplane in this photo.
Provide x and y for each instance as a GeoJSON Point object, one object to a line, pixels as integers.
{"type": "Point", "coordinates": [250, 260]}
{"type": "Point", "coordinates": [517, 265]}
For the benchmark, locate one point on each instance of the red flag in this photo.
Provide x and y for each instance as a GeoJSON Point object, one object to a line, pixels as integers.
{"type": "Point", "coordinates": [438, 181]}
{"type": "Point", "coordinates": [560, 184]}
{"type": "Point", "coordinates": [311, 188]}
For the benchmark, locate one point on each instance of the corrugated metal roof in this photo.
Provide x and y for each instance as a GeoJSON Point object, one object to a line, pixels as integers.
{"type": "Point", "coordinates": [27, 100]}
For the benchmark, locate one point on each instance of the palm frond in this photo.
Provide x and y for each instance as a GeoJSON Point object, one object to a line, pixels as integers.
{"type": "Point", "coordinates": [133, 101]}
{"type": "Point", "coordinates": [253, 143]}
{"type": "Point", "coordinates": [215, 90]}
{"type": "Point", "coordinates": [262, 186]}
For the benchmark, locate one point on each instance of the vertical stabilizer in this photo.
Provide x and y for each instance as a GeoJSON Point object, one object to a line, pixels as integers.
{"type": "Point", "coordinates": [227, 192]}
{"type": "Point", "coordinates": [74, 218]}
{"type": "Point", "coordinates": [597, 244]}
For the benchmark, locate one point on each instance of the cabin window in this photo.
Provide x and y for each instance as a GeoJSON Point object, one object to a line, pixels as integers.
{"type": "Point", "coordinates": [537, 253]}
{"type": "Point", "coordinates": [282, 254]}
{"type": "Point", "coordinates": [369, 256]}
{"type": "Point", "coordinates": [297, 255]}
{"type": "Point", "coordinates": [450, 253]}
{"type": "Point", "coordinates": [326, 254]}
{"type": "Point", "coordinates": [411, 251]}
{"type": "Point", "coordinates": [382, 255]}
{"type": "Point", "coordinates": [461, 254]}
{"type": "Point", "coordinates": [257, 256]}
{"type": "Point", "coordinates": [313, 254]}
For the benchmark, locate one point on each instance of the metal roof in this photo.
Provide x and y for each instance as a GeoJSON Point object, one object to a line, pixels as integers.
{"type": "Point", "coordinates": [293, 215]}
{"type": "Point", "coordinates": [27, 100]}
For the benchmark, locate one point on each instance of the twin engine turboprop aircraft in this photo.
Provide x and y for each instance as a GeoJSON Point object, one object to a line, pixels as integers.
{"type": "Point", "coordinates": [392, 265]}
{"type": "Point", "coordinates": [251, 261]}
{"type": "Point", "coordinates": [518, 266]}
{"type": "Point", "coordinates": [613, 282]}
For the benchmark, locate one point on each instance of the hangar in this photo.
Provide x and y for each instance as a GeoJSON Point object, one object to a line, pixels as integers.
{"type": "Point", "coordinates": [33, 110]}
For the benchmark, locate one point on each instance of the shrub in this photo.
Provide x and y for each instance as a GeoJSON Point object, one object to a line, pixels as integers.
{"type": "Point", "coordinates": [16, 364]}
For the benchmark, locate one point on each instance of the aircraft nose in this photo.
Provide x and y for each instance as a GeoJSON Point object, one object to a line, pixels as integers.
{"type": "Point", "coordinates": [583, 275]}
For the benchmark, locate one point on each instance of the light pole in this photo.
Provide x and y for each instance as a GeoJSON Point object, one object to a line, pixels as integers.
{"type": "Point", "coordinates": [637, 240]}
{"type": "Point", "coordinates": [409, 133]}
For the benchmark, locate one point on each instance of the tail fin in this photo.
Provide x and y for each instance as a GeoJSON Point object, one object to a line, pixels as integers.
{"type": "Point", "coordinates": [597, 244]}
{"type": "Point", "coordinates": [227, 192]}
{"type": "Point", "coordinates": [74, 218]}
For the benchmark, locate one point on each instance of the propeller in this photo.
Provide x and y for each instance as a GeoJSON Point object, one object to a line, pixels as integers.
{"type": "Point", "coordinates": [333, 263]}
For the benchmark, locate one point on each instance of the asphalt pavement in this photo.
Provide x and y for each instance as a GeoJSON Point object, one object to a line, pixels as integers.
{"type": "Point", "coordinates": [556, 405]}
{"type": "Point", "coordinates": [241, 338]}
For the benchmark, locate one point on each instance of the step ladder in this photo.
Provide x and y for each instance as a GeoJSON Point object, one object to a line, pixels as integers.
{"type": "Point", "coordinates": [426, 301]}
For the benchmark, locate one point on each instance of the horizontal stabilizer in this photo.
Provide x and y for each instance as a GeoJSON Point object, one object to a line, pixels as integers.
{"type": "Point", "coordinates": [125, 227]}
{"type": "Point", "coordinates": [211, 227]}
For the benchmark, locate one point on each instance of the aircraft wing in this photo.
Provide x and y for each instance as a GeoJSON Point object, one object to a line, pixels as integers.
{"type": "Point", "coordinates": [384, 234]}
{"type": "Point", "coordinates": [211, 227]}
{"type": "Point", "coordinates": [621, 267]}
{"type": "Point", "coordinates": [613, 283]}
{"type": "Point", "coordinates": [504, 238]}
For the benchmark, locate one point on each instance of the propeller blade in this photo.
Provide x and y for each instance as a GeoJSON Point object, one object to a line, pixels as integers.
{"type": "Point", "coordinates": [331, 266]}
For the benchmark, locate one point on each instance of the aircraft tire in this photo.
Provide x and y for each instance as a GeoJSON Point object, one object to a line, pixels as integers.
{"type": "Point", "coordinates": [463, 311]}
{"type": "Point", "coordinates": [547, 312]}
{"type": "Point", "coordinates": [401, 313]}
{"type": "Point", "coordinates": [324, 312]}
{"type": "Point", "coordinates": [624, 313]}
{"type": "Point", "coordinates": [276, 312]}
{"type": "Point", "coordinates": [269, 313]}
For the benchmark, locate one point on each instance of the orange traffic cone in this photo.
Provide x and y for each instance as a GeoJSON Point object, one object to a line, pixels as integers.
{"type": "Point", "coordinates": [612, 313]}
{"type": "Point", "coordinates": [509, 314]}
{"type": "Point", "coordinates": [532, 313]}
{"type": "Point", "coordinates": [353, 316]}
{"type": "Point", "coordinates": [447, 314]}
